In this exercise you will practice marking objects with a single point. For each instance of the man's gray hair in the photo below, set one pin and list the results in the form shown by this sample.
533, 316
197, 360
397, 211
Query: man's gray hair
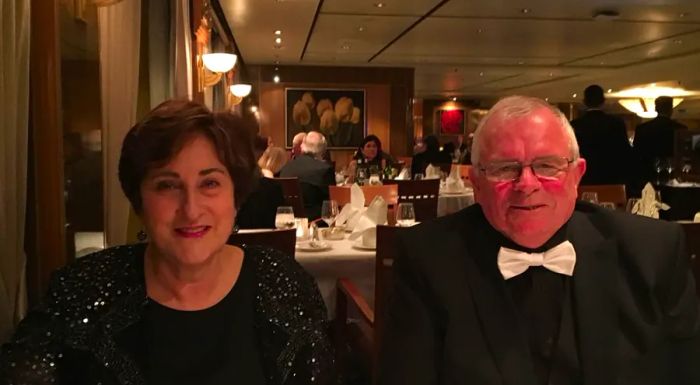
314, 143
512, 107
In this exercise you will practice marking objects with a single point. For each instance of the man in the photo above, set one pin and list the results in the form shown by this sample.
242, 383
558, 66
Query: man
314, 174
655, 139
603, 142
611, 300
296, 144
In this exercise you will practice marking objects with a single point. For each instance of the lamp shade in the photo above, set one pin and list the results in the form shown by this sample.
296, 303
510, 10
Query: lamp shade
241, 90
640, 99
219, 62
644, 107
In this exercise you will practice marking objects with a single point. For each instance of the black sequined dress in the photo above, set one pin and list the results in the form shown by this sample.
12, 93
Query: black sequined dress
83, 332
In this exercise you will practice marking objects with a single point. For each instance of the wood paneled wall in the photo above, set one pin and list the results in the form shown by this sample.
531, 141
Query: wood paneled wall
388, 95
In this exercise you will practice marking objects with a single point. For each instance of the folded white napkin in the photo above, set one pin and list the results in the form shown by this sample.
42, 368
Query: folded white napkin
405, 174
697, 217
367, 225
676, 183
352, 211
432, 172
648, 206
454, 182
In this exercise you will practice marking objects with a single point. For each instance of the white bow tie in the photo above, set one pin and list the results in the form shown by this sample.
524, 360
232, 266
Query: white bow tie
559, 259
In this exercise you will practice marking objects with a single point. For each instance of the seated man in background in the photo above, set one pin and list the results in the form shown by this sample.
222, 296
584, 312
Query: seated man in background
528, 287
315, 175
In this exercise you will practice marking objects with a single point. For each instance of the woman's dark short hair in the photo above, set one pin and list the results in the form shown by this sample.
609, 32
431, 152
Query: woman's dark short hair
369, 138
164, 131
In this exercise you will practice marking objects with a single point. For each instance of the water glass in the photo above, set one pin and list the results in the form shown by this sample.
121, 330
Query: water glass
418, 176
590, 196
405, 215
285, 217
329, 211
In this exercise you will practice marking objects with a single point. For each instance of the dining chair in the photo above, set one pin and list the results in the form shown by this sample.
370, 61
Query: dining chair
692, 241
364, 334
423, 194
282, 240
389, 192
614, 193
291, 189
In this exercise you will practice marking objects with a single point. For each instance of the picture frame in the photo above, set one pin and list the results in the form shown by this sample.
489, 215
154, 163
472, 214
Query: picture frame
451, 121
339, 114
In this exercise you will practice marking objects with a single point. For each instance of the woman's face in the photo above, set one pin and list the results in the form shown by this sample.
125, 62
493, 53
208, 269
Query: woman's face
370, 150
188, 205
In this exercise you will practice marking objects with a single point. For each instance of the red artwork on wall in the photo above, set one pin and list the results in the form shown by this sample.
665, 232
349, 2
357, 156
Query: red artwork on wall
451, 122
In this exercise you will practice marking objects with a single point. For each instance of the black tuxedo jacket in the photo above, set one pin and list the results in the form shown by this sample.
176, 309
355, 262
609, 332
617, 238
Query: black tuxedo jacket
602, 140
654, 139
314, 178
634, 318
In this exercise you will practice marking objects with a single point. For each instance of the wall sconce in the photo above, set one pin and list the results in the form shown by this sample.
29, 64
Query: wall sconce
640, 100
212, 67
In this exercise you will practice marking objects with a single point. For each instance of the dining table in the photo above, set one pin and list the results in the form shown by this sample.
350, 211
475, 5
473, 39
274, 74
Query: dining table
452, 201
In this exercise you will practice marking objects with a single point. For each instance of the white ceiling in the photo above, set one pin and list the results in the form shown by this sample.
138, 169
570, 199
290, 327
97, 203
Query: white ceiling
484, 49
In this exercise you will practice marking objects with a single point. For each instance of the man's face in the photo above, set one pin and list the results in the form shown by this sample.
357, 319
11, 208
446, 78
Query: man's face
531, 208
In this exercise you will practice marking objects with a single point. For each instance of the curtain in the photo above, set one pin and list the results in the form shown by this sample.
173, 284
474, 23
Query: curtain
119, 40
182, 50
14, 124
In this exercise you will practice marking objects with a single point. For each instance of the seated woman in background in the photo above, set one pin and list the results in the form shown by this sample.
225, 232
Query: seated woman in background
272, 161
185, 307
368, 155
431, 155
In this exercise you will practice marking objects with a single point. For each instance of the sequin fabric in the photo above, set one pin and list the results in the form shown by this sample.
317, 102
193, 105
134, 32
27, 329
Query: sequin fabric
71, 336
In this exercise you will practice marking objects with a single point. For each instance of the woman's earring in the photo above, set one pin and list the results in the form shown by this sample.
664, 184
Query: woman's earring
141, 236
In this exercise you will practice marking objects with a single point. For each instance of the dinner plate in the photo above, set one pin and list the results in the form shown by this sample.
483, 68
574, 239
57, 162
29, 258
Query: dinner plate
318, 246
358, 245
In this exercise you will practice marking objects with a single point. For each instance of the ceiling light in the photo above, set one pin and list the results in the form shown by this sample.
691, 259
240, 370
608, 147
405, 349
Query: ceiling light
454, 98
219, 62
551, 74
683, 14
253, 108
278, 32
481, 74
678, 41
345, 47
609, 90
521, 62
574, 96
480, 31
602, 63
525, 10
640, 100
379, 5
278, 40
276, 79
241, 90
360, 29
546, 99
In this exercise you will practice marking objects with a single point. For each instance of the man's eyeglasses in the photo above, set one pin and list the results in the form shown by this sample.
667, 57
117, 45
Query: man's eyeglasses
508, 171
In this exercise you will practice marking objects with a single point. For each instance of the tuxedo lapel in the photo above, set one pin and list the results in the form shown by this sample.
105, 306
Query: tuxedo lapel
595, 308
494, 306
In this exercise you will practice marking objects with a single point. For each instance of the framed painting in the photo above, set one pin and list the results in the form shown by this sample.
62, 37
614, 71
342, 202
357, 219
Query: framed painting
339, 114
451, 121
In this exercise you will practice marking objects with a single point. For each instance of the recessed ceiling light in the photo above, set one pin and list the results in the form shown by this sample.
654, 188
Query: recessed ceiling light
574, 95
609, 90
683, 14
454, 98
346, 47
602, 63
360, 29
277, 68
276, 79
551, 74
546, 99
678, 41
525, 10
480, 31
481, 74
278, 32
277, 62
521, 62
278, 40
379, 5
254, 108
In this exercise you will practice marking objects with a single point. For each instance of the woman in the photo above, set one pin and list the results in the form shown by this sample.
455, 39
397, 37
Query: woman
369, 154
185, 307
272, 161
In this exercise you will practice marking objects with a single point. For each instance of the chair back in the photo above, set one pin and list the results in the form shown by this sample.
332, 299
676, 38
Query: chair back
614, 193
282, 240
341, 194
423, 194
385, 256
291, 189
692, 241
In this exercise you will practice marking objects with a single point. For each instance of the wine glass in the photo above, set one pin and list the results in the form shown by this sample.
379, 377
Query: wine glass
418, 176
405, 215
329, 210
658, 167
590, 196
631, 203
284, 219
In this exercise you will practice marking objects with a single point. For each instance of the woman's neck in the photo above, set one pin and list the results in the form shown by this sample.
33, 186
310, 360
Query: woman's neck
191, 287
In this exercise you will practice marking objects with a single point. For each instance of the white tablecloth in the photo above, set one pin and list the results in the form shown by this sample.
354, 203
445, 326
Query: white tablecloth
450, 203
342, 261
